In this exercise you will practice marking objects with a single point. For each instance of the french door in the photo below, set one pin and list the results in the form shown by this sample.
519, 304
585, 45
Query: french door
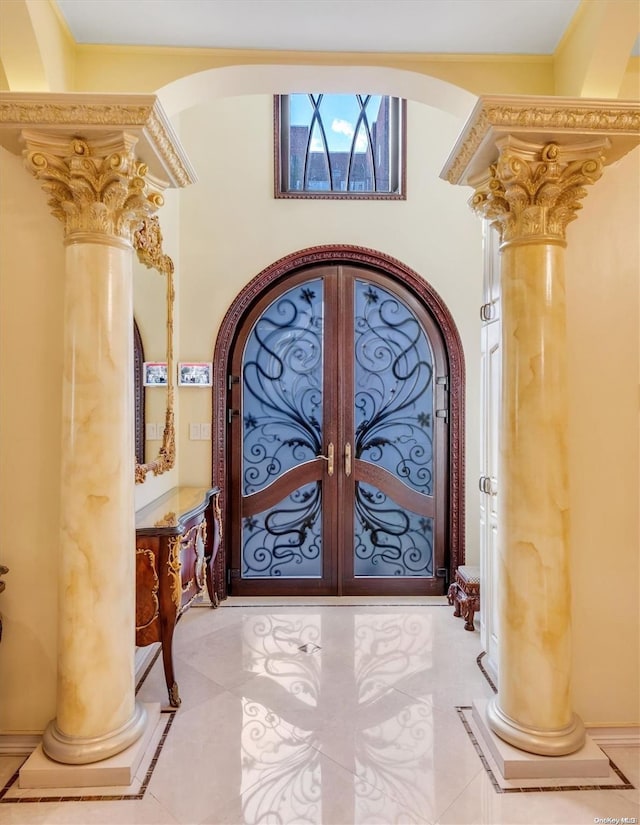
338, 439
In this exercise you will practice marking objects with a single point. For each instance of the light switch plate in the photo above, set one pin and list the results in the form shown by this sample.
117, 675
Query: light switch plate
194, 432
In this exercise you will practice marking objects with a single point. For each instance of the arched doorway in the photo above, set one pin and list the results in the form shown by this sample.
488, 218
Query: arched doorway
387, 517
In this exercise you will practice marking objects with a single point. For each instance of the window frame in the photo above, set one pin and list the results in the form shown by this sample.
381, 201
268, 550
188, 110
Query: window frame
281, 169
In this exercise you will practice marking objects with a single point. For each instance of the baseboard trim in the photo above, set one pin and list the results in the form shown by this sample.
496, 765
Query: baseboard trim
19, 744
627, 737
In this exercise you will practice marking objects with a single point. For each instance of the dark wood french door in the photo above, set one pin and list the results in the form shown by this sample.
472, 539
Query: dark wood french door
338, 442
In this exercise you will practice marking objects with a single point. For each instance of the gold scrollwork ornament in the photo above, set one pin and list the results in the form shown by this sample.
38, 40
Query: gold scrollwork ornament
147, 241
174, 570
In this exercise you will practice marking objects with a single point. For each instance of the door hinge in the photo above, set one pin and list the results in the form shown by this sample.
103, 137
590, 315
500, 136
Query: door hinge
231, 380
232, 573
443, 573
443, 380
230, 415
443, 414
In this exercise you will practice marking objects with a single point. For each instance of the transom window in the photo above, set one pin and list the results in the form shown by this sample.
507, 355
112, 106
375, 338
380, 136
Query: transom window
339, 146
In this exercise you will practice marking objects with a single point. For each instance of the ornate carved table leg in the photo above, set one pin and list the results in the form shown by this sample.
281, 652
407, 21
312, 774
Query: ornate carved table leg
469, 606
453, 597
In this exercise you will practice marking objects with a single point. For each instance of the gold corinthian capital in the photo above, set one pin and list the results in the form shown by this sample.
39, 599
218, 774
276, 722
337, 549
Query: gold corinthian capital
533, 190
97, 188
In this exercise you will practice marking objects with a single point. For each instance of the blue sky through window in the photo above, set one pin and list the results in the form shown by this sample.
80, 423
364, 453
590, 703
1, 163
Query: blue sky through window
339, 115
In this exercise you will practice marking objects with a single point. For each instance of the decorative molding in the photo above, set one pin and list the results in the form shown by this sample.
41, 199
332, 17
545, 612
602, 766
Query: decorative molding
93, 187
148, 244
435, 306
82, 114
153, 591
147, 240
169, 519
542, 120
139, 393
174, 570
19, 744
615, 737
534, 191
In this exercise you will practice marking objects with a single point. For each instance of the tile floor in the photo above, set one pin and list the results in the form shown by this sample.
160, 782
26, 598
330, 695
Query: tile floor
333, 713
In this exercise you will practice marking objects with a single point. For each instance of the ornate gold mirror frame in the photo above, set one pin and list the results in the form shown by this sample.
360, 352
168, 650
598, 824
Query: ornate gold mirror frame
147, 242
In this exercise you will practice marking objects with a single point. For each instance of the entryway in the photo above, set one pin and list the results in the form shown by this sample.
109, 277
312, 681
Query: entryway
339, 436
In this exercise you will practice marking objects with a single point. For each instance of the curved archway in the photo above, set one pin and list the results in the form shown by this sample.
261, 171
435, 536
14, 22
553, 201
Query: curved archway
228, 81
432, 302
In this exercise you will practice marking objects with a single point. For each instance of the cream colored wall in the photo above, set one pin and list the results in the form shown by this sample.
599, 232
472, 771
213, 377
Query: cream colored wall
31, 330
593, 57
232, 228
603, 278
55, 44
630, 87
122, 69
37, 52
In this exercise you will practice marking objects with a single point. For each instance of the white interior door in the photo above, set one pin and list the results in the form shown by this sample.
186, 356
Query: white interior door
489, 439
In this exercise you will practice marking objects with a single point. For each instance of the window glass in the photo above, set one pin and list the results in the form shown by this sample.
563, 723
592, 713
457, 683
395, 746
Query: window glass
337, 145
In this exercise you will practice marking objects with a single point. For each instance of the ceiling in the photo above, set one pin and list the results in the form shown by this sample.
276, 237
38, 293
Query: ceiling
428, 26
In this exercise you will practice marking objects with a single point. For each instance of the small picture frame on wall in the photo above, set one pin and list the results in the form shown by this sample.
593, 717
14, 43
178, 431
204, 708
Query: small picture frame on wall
195, 374
155, 374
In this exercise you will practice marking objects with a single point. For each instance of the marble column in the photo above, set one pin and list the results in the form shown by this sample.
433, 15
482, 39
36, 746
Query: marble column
100, 192
531, 161
532, 192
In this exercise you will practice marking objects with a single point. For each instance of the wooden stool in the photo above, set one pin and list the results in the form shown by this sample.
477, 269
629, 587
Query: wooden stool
464, 594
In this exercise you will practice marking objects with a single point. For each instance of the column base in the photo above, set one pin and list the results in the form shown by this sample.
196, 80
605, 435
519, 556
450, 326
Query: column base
535, 740
77, 750
517, 763
41, 772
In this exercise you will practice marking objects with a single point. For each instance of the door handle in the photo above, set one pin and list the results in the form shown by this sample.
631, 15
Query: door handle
328, 458
347, 459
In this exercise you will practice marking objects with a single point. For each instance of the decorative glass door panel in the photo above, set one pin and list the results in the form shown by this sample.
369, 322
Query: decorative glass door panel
393, 403
282, 383
338, 448
393, 388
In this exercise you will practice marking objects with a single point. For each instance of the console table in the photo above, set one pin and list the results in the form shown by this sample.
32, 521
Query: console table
177, 539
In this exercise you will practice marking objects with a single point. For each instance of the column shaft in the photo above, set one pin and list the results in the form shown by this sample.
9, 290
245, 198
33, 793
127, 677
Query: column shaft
533, 506
96, 711
97, 574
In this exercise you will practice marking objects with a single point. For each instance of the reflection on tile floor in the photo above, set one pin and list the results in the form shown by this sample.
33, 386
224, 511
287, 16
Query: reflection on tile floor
335, 714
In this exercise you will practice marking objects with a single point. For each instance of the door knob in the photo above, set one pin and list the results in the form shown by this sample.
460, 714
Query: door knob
328, 458
347, 459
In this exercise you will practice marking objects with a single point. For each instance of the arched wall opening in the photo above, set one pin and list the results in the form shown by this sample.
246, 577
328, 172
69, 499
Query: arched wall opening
445, 239
230, 81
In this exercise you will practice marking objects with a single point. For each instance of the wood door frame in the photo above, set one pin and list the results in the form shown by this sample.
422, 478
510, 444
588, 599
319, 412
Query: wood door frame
424, 292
